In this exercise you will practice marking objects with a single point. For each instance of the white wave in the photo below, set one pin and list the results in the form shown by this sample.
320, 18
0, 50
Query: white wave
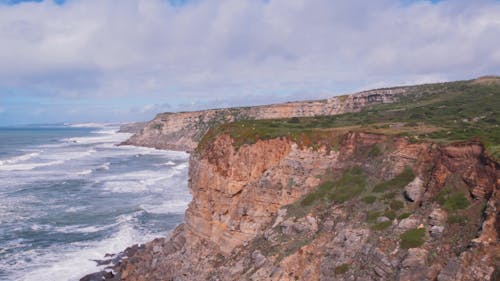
77, 259
104, 166
182, 166
20, 158
87, 125
106, 132
29, 166
125, 187
85, 172
81, 228
75, 209
168, 207
169, 163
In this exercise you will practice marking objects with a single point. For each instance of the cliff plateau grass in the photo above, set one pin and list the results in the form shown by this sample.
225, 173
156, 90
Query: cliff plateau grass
443, 113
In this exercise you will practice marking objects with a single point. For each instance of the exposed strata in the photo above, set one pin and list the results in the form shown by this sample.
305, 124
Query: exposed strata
242, 225
182, 131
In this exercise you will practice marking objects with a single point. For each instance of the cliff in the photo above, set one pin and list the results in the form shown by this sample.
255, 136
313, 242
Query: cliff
183, 131
398, 191
275, 210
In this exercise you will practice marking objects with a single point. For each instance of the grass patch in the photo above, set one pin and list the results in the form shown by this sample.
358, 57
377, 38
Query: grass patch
342, 269
351, 183
390, 214
443, 112
370, 199
372, 216
412, 238
397, 182
381, 225
389, 195
374, 151
396, 205
404, 216
452, 200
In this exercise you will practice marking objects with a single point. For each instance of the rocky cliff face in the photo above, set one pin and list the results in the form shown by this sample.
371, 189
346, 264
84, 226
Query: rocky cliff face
376, 208
183, 131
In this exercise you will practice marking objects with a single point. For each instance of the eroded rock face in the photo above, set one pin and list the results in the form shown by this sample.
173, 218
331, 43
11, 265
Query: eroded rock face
182, 131
241, 226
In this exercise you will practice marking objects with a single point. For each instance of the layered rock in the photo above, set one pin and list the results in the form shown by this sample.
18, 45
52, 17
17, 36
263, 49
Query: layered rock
247, 222
183, 131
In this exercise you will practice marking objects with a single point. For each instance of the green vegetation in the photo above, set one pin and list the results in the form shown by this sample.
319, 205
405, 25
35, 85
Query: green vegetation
370, 199
375, 151
390, 214
397, 182
351, 183
444, 112
341, 269
389, 195
396, 205
157, 126
372, 216
412, 238
404, 216
452, 200
381, 225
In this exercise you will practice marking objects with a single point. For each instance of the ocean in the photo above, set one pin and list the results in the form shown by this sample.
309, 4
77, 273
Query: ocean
69, 195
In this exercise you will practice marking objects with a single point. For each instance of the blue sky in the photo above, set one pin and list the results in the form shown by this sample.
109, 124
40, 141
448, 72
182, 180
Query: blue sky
126, 60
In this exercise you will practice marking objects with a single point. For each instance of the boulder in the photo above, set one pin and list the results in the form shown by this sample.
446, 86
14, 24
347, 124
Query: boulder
414, 190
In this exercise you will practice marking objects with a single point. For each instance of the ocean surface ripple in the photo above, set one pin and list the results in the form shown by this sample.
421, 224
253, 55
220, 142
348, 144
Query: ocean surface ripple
69, 195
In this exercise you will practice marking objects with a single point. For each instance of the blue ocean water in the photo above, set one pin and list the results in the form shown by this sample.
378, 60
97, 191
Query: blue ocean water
69, 195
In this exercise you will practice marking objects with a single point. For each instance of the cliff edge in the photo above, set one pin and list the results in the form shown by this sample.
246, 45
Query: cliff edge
397, 191
275, 210
182, 131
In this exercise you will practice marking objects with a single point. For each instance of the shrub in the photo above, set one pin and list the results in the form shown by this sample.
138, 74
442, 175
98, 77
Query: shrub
374, 151
309, 199
372, 216
341, 269
412, 238
351, 183
404, 216
294, 120
397, 182
396, 205
369, 199
390, 214
382, 225
389, 195
452, 200
157, 126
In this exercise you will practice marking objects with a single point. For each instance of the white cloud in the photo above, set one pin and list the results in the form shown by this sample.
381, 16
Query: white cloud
227, 49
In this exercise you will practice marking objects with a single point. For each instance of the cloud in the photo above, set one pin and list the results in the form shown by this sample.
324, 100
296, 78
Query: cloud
230, 52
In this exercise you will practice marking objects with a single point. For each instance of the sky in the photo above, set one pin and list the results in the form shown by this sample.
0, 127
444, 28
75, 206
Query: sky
127, 60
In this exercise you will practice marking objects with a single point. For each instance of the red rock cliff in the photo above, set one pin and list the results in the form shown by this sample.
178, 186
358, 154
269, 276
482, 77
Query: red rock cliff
243, 223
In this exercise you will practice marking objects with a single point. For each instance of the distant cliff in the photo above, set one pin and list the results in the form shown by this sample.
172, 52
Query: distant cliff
183, 131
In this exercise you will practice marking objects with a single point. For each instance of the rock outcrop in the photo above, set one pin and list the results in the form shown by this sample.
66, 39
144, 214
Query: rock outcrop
258, 213
182, 131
